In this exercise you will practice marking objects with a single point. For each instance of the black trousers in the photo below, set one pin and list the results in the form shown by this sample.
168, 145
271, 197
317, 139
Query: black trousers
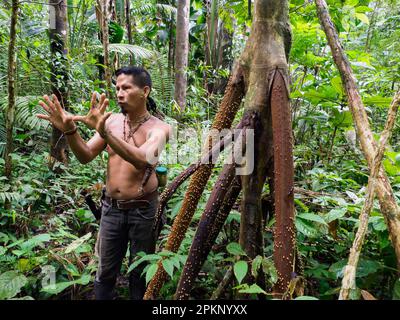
118, 229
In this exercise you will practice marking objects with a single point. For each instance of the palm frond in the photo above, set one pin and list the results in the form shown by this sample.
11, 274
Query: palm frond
126, 49
149, 8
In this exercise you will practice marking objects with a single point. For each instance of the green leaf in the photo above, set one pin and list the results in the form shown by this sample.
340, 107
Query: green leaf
312, 217
253, 289
351, 3
255, 265
76, 243
337, 85
168, 266
235, 249
11, 283
151, 271
23, 298
306, 228
363, 17
148, 257
240, 270
378, 100
61, 286
335, 214
306, 298
270, 270
396, 290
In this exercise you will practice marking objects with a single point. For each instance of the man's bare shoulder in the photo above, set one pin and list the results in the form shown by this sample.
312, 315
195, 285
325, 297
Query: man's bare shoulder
160, 125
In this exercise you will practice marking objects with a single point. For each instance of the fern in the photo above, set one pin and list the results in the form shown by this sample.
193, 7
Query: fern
163, 82
25, 116
26, 111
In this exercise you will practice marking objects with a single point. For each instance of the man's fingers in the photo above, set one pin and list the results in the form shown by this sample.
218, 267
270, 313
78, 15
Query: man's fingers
43, 116
93, 100
104, 106
57, 103
50, 103
102, 98
107, 115
45, 107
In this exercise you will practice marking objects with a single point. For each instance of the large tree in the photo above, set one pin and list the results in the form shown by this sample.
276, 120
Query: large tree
10, 112
181, 52
58, 33
263, 64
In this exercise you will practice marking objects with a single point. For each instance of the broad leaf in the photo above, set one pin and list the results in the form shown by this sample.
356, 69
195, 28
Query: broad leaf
396, 290
168, 266
151, 271
312, 217
254, 288
76, 243
240, 270
235, 249
11, 283
61, 286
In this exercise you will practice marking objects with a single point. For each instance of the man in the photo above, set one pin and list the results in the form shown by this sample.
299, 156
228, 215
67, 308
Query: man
133, 140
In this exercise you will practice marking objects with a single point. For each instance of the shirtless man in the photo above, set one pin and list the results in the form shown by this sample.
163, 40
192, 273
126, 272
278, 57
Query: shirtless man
133, 140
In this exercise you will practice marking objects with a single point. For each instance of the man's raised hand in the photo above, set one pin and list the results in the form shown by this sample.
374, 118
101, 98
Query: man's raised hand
56, 114
96, 117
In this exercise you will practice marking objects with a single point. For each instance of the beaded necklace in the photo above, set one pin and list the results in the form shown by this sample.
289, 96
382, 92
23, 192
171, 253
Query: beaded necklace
133, 127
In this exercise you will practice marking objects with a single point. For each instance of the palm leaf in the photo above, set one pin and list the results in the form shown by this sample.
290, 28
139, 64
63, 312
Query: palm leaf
126, 49
153, 8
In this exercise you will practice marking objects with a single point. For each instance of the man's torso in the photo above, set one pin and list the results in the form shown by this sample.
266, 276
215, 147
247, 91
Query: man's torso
124, 179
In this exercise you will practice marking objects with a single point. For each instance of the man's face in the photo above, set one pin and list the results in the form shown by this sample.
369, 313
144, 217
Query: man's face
129, 95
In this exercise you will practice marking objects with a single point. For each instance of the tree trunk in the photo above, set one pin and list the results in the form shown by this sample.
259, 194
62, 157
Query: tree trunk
129, 28
10, 112
389, 208
223, 119
266, 54
181, 52
349, 276
223, 196
59, 77
224, 53
104, 18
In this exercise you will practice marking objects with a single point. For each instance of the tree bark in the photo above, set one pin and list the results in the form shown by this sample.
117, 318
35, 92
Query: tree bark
10, 112
129, 28
181, 52
223, 119
349, 277
105, 18
389, 207
224, 190
59, 78
266, 55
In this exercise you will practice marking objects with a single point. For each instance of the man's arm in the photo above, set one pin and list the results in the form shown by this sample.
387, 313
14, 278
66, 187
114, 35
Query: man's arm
146, 154
85, 151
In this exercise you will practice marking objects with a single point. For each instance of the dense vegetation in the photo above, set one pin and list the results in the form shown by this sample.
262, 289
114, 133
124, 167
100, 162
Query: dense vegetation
49, 233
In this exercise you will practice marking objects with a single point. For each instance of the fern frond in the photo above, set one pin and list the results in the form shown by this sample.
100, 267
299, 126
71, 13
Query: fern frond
26, 111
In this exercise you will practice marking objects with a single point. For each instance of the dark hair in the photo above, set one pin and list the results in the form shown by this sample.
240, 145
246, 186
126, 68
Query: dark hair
141, 78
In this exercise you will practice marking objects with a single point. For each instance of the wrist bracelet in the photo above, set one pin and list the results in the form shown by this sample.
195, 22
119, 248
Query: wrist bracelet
103, 135
71, 132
